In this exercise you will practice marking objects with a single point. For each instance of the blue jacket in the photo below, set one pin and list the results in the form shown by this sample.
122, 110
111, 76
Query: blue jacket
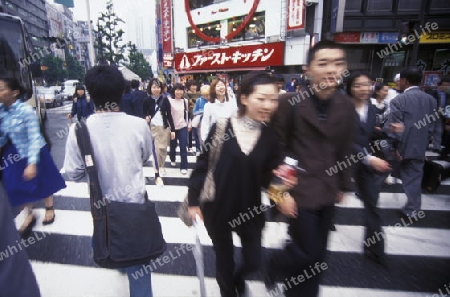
199, 105
82, 108
134, 104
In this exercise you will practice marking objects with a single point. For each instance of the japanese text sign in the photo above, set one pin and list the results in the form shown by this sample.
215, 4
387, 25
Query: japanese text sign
166, 26
270, 54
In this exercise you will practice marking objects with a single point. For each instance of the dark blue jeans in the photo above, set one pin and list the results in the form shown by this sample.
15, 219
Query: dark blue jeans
196, 133
181, 136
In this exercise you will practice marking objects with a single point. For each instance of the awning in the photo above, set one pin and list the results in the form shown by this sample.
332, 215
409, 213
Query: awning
221, 70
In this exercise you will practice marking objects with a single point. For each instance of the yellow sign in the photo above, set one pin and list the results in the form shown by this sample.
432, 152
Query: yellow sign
435, 37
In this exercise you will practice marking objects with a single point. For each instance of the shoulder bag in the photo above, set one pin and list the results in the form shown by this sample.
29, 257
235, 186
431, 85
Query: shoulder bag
125, 234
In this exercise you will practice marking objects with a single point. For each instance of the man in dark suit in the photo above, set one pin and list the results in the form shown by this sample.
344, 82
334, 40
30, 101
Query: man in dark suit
137, 99
315, 127
417, 111
442, 95
16, 276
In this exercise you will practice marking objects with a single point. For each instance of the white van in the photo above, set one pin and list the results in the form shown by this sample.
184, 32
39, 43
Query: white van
69, 88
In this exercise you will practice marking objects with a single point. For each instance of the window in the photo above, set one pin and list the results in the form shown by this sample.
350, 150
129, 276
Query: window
439, 4
255, 29
209, 29
353, 6
379, 5
409, 5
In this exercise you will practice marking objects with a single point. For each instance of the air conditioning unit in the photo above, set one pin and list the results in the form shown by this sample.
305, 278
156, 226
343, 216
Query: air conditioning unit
310, 2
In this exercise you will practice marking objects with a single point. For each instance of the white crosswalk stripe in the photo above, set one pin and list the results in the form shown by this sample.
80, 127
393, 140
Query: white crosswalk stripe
64, 268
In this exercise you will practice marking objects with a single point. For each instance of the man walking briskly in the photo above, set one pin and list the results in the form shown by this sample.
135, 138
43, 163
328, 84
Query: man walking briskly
315, 126
418, 113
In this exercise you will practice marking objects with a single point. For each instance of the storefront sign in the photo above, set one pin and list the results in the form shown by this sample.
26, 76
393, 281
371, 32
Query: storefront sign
347, 37
166, 26
388, 37
435, 37
369, 37
167, 60
261, 55
296, 15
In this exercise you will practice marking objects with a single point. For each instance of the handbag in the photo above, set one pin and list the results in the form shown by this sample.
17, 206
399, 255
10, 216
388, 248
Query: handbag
209, 187
125, 234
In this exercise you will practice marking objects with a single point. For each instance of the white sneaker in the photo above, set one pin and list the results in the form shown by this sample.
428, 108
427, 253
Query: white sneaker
183, 171
197, 154
173, 163
159, 182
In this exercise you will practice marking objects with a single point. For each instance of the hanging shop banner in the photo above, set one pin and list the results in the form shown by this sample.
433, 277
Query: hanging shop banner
295, 15
166, 26
261, 55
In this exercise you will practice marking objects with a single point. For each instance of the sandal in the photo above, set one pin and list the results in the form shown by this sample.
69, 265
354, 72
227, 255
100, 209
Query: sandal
46, 221
27, 226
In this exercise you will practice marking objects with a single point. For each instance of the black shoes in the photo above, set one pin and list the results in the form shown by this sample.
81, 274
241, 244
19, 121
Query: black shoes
378, 259
268, 275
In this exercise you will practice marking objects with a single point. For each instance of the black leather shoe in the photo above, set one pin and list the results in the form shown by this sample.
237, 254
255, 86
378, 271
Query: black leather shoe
268, 275
332, 227
380, 260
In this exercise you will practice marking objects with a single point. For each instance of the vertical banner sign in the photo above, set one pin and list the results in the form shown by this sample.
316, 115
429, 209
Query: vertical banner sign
166, 32
295, 15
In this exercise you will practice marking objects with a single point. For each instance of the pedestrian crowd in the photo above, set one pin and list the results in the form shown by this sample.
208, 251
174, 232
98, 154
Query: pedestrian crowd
240, 141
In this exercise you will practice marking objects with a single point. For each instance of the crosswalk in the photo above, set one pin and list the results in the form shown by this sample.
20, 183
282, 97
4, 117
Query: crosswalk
419, 254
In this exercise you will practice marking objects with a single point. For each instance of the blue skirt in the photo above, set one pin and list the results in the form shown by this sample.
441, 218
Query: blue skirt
48, 180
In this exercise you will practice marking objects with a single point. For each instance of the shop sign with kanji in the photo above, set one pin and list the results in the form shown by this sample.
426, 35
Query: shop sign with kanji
261, 55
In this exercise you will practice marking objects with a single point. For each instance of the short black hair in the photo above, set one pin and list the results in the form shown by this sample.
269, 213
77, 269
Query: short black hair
135, 84
79, 87
377, 87
445, 78
354, 75
413, 75
190, 83
13, 84
177, 86
248, 84
157, 82
105, 85
323, 44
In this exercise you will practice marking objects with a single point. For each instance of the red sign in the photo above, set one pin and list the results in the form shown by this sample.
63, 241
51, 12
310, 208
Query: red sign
270, 54
167, 60
166, 26
347, 37
296, 15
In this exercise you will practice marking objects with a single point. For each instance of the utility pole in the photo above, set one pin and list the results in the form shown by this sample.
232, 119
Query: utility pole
91, 39
417, 27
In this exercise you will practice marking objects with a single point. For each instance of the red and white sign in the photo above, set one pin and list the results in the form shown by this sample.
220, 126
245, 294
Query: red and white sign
347, 37
166, 26
261, 55
296, 15
167, 60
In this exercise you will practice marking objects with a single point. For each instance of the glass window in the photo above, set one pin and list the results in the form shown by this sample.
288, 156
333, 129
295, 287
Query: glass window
255, 29
353, 6
409, 5
210, 29
439, 4
379, 5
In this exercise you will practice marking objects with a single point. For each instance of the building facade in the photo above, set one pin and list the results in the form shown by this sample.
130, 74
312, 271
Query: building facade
33, 14
236, 36
379, 35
